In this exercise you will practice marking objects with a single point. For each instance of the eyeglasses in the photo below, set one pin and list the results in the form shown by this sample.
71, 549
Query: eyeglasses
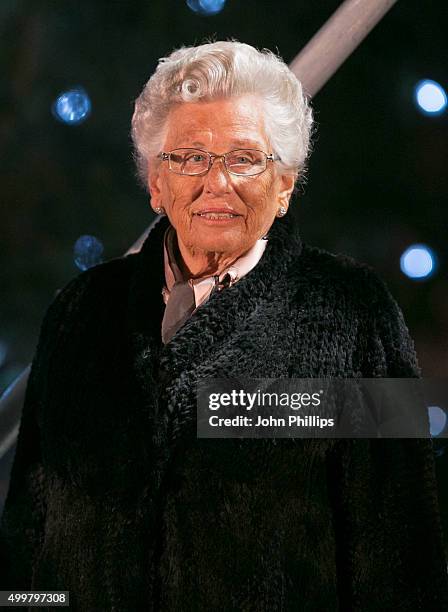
241, 162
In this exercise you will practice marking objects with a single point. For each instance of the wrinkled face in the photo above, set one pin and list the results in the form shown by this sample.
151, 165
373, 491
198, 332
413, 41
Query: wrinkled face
218, 127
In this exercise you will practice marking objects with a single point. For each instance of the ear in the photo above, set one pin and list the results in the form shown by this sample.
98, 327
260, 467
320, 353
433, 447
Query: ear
155, 187
286, 188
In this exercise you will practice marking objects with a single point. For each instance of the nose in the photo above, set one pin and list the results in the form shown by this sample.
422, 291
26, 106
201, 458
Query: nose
217, 178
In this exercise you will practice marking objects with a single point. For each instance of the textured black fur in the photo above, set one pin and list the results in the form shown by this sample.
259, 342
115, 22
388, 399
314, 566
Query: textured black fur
113, 497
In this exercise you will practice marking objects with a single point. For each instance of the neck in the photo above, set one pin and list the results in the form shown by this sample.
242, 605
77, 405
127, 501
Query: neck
196, 263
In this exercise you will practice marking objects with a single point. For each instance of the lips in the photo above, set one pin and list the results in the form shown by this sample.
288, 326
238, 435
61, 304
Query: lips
220, 213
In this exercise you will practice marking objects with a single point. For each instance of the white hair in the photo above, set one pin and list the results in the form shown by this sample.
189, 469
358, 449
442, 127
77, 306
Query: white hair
224, 69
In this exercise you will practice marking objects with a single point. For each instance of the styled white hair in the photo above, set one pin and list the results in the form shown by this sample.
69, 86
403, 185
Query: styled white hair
224, 69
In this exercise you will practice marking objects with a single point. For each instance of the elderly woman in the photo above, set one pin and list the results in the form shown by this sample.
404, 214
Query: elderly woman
113, 497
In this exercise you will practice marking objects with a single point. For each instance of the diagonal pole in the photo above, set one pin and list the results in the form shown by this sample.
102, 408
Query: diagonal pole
314, 66
336, 40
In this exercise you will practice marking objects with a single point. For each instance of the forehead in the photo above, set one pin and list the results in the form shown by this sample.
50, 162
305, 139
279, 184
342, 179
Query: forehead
235, 122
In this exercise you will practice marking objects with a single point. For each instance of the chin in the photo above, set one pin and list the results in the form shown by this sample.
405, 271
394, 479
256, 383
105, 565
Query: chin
219, 240
219, 245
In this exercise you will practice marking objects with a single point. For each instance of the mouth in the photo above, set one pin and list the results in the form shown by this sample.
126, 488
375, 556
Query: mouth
216, 214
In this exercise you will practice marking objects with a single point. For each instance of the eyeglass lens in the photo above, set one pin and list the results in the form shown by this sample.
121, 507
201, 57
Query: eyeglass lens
194, 161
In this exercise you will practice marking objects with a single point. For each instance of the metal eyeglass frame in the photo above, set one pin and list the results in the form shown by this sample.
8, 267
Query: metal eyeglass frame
166, 156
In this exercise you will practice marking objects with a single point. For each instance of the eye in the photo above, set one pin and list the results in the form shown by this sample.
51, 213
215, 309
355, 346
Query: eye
195, 157
243, 158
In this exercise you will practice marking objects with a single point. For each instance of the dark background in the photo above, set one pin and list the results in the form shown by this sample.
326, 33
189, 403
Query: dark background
377, 181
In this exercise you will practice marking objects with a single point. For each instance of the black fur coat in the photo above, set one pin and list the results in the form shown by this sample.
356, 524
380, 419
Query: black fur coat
113, 497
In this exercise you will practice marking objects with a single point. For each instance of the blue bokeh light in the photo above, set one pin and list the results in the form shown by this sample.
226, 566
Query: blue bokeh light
418, 261
206, 7
72, 107
430, 97
437, 420
88, 252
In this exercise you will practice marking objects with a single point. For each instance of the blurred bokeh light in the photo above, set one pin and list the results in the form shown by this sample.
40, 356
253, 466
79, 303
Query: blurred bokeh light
418, 261
88, 252
206, 7
430, 97
437, 420
73, 106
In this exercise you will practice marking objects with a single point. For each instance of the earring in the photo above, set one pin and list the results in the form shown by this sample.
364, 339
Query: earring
282, 211
159, 210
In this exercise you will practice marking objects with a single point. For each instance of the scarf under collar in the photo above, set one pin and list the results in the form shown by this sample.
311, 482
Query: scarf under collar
220, 315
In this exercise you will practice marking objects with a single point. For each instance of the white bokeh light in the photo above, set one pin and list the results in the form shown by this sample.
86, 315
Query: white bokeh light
430, 97
418, 261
